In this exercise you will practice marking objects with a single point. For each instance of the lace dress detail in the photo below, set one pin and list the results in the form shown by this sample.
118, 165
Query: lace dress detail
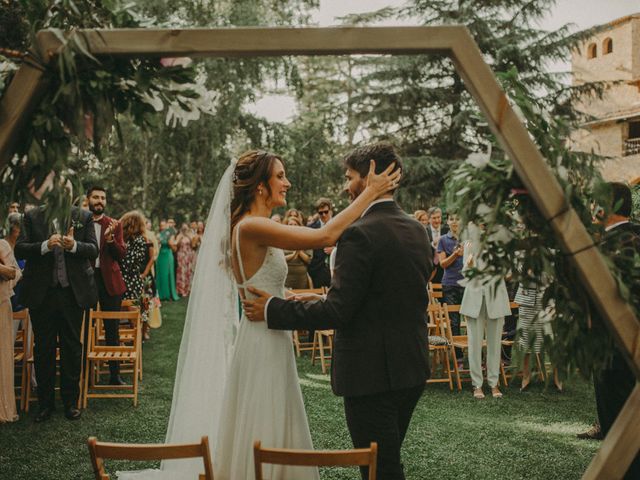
262, 399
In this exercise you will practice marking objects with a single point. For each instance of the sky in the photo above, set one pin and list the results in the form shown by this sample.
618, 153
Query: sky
582, 13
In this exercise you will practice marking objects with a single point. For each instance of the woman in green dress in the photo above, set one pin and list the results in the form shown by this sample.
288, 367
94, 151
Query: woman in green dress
165, 266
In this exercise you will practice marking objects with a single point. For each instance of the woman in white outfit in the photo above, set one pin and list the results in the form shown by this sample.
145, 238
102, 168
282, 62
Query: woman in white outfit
485, 305
241, 387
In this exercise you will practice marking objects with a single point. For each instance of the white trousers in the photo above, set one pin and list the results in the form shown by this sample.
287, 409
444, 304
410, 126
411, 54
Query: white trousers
476, 328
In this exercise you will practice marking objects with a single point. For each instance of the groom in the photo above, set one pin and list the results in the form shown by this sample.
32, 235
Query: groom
377, 304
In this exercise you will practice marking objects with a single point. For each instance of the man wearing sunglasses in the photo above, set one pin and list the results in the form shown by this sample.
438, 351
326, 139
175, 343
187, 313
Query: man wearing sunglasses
319, 265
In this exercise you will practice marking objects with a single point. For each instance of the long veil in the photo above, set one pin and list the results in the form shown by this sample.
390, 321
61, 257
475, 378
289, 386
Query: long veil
207, 343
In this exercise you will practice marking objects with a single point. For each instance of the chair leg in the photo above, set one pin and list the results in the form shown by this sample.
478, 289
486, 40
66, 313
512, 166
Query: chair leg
296, 342
452, 354
135, 381
503, 374
541, 370
313, 348
321, 348
85, 390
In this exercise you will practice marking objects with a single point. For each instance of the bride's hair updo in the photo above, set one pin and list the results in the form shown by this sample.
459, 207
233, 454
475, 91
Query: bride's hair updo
253, 168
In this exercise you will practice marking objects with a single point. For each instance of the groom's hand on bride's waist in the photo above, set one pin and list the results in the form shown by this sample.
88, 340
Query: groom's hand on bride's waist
255, 309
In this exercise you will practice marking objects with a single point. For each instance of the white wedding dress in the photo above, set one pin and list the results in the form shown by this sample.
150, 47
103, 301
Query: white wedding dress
236, 382
262, 398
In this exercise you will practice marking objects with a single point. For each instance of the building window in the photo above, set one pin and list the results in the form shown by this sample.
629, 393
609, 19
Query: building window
592, 51
632, 144
607, 46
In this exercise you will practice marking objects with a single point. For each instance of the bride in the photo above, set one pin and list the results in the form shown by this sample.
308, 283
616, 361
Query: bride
236, 381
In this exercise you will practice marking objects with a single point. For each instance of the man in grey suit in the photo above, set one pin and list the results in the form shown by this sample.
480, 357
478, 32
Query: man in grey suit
377, 304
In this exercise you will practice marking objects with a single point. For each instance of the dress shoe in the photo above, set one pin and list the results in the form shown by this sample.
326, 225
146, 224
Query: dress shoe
72, 413
117, 380
594, 433
44, 414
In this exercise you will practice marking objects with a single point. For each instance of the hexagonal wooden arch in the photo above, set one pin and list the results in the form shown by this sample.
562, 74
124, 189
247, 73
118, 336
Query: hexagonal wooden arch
623, 441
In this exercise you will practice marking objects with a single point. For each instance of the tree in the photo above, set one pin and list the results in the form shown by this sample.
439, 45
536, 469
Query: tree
422, 105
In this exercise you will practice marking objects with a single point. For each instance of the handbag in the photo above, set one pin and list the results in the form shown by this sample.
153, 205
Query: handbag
155, 315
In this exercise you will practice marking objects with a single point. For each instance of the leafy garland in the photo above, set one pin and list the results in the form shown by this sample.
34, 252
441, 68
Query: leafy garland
86, 97
517, 241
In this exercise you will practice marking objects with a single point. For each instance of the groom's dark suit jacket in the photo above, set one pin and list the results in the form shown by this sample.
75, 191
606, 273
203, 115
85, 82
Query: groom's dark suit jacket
377, 304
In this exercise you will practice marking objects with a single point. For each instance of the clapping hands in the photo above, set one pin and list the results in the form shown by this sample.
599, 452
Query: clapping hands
108, 233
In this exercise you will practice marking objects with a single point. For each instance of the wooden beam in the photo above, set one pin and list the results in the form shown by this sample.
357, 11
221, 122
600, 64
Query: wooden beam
548, 196
621, 445
18, 102
255, 42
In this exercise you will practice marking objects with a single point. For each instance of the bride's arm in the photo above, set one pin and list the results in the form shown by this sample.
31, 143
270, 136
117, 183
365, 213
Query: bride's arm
266, 232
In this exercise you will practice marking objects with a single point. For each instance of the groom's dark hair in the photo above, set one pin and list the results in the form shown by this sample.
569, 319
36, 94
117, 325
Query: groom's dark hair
382, 152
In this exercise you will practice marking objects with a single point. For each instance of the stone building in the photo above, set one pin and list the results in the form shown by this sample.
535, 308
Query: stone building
612, 55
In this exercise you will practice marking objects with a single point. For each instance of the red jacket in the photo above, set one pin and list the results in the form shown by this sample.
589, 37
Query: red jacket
110, 254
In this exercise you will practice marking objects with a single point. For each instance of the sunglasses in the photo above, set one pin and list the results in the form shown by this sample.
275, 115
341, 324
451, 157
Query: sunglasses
323, 212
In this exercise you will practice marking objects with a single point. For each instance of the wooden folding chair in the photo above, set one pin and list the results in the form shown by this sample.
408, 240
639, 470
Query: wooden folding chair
434, 292
442, 352
297, 343
323, 344
319, 458
22, 348
126, 451
98, 354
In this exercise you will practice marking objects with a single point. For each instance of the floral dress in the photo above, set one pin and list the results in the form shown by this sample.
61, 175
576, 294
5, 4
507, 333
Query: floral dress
186, 258
132, 266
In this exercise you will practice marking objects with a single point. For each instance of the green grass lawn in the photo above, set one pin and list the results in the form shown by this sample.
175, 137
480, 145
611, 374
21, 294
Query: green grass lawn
452, 436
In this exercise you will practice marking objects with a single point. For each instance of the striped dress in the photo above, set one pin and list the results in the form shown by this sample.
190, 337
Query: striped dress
531, 318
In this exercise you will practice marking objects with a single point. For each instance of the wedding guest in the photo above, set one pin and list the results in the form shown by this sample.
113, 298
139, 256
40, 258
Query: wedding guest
319, 265
165, 273
106, 270
194, 227
292, 212
201, 228
450, 253
434, 231
276, 218
9, 275
533, 326
422, 217
15, 222
14, 207
57, 286
616, 382
185, 255
485, 304
297, 261
137, 263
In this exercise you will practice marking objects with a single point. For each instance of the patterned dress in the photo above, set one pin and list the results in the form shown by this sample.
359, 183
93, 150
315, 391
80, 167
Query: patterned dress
186, 257
132, 266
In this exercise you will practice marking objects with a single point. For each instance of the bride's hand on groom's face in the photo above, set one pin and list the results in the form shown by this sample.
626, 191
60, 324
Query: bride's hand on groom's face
384, 182
254, 309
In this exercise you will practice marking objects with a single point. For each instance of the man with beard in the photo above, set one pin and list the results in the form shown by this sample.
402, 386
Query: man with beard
107, 272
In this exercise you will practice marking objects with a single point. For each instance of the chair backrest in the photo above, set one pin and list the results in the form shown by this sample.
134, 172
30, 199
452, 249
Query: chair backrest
434, 291
96, 317
125, 451
319, 458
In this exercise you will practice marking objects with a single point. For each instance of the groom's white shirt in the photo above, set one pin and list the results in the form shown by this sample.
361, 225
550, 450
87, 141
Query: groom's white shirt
375, 202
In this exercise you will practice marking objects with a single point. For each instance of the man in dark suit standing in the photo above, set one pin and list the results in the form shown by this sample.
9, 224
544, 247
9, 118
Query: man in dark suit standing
57, 286
377, 304
614, 385
319, 265
108, 276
